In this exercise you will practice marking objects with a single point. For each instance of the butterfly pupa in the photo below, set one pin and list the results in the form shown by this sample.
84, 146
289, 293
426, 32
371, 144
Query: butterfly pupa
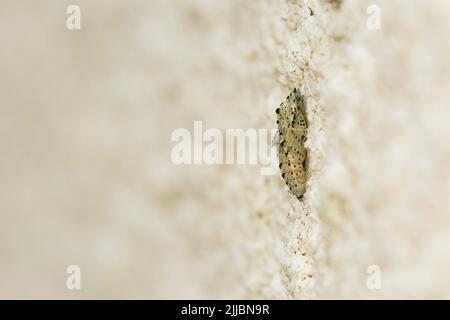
292, 154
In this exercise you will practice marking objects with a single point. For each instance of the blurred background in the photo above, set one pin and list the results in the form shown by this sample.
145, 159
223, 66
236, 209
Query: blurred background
86, 177
86, 174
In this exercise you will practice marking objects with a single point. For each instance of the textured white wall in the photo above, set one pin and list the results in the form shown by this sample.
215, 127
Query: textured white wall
86, 176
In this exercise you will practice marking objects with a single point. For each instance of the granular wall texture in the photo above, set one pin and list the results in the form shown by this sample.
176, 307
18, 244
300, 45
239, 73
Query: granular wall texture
86, 171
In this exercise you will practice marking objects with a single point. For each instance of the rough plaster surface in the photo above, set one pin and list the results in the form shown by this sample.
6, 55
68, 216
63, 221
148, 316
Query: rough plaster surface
86, 175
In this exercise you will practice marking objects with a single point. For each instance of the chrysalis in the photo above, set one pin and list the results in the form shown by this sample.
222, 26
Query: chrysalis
292, 128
